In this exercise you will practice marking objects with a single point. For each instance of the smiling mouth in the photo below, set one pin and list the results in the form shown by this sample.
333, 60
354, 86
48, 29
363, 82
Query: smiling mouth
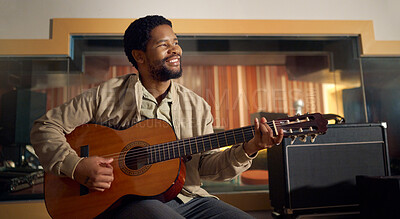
173, 60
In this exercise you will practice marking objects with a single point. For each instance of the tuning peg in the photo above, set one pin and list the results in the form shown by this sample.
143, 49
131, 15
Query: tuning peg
313, 137
303, 138
293, 137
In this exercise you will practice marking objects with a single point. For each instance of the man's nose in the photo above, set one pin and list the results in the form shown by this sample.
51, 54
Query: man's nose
176, 49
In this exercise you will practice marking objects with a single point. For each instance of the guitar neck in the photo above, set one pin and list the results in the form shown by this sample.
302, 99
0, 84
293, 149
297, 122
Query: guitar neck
194, 145
301, 125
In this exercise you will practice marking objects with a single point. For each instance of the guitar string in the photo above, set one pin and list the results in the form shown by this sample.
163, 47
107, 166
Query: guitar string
162, 151
178, 145
156, 148
212, 135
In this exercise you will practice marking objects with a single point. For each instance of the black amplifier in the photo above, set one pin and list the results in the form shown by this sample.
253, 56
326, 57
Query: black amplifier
321, 176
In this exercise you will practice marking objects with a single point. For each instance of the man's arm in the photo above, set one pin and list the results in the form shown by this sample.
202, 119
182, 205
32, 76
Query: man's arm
48, 136
229, 163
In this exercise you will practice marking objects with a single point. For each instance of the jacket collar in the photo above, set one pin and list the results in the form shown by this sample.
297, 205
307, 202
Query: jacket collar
175, 107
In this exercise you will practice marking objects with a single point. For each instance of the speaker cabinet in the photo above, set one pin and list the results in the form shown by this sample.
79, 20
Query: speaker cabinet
379, 196
307, 176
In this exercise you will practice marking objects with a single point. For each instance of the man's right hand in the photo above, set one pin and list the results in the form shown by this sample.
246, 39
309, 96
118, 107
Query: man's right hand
95, 173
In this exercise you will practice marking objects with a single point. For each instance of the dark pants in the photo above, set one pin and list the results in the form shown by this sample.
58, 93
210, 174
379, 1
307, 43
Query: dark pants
196, 208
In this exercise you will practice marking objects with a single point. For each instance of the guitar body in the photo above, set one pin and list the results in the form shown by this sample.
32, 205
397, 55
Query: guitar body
65, 198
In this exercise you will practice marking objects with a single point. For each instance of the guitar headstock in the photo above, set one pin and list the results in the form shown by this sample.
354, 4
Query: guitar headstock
302, 126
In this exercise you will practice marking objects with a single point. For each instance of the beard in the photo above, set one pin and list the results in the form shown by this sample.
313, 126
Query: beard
160, 71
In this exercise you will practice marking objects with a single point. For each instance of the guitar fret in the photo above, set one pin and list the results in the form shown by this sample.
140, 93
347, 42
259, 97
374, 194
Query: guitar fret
147, 157
197, 147
243, 134
226, 140
202, 140
177, 151
153, 154
168, 152
149, 153
250, 134
209, 137
156, 154
234, 138
239, 136
220, 140
159, 152
194, 144
173, 149
231, 141
181, 145
184, 148
190, 147
174, 155
163, 149
213, 141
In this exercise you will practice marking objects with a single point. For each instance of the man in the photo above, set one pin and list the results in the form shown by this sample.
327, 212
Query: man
153, 48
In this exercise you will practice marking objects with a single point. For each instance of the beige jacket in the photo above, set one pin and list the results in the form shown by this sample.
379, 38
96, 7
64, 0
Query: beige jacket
116, 104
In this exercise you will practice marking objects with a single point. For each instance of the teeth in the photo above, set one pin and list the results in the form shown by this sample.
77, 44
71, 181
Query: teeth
173, 60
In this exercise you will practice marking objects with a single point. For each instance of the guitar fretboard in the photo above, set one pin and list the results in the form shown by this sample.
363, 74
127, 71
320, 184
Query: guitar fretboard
189, 146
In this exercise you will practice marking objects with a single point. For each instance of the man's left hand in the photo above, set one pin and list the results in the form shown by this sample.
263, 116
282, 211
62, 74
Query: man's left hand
263, 137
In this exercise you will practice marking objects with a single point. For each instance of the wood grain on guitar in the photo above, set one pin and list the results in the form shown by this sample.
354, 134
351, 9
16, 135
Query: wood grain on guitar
148, 161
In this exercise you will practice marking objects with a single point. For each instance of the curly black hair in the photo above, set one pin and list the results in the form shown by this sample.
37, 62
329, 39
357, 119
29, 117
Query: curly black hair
137, 35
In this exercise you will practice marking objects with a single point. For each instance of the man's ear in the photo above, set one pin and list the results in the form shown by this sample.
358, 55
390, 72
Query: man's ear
138, 55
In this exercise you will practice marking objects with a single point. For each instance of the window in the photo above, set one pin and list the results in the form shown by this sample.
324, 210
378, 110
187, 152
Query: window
239, 76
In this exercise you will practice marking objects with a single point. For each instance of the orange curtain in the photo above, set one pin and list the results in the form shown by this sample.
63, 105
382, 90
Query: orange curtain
235, 92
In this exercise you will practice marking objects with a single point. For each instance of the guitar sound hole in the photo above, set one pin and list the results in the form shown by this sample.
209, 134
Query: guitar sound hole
136, 158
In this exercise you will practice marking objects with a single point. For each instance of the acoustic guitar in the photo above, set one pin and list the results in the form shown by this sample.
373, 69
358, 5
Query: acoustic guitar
148, 161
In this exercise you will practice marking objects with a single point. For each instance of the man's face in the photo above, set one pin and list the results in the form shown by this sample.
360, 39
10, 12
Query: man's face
163, 54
